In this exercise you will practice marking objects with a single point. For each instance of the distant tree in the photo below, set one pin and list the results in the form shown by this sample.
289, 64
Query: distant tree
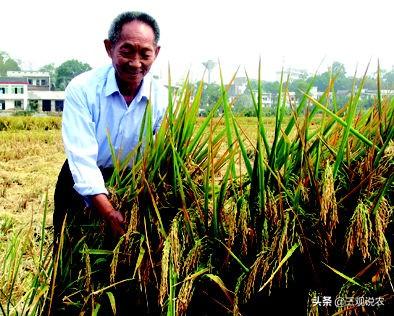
370, 83
299, 86
254, 83
271, 87
67, 71
210, 96
338, 69
51, 69
244, 104
337, 72
388, 80
7, 64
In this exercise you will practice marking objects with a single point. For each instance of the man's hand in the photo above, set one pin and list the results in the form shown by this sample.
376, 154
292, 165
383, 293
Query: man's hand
113, 217
116, 222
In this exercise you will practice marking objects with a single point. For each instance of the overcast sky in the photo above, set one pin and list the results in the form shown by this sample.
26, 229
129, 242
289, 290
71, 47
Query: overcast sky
301, 34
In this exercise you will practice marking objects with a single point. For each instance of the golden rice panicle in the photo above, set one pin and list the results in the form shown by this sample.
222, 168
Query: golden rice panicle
184, 297
88, 274
328, 207
134, 219
229, 220
165, 262
261, 264
359, 233
176, 251
271, 207
193, 258
382, 219
243, 228
114, 262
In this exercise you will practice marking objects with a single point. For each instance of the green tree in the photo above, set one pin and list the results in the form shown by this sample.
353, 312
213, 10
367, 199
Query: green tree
210, 96
338, 72
388, 79
370, 83
67, 71
7, 64
299, 86
243, 104
271, 87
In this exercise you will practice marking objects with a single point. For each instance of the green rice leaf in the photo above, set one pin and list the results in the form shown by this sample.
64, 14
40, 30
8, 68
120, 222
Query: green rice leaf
342, 275
111, 298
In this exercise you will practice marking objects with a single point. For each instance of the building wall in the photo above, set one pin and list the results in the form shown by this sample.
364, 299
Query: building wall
12, 94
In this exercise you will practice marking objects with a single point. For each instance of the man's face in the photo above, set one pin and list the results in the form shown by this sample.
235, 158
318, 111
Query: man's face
134, 53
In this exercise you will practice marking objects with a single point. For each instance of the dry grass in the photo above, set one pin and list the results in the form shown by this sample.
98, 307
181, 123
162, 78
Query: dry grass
29, 164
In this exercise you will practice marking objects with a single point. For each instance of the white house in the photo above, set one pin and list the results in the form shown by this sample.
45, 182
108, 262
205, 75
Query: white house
29, 90
46, 101
13, 93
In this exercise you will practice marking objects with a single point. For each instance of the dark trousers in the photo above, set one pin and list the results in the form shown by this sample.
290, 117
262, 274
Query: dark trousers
79, 270
67, 200
82, 229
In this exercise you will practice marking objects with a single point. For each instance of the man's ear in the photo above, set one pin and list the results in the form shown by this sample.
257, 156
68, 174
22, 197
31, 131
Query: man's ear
108, 47
157, 50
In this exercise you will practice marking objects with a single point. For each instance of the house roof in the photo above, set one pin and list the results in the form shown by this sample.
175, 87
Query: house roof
13, 80
25, 73
46, 95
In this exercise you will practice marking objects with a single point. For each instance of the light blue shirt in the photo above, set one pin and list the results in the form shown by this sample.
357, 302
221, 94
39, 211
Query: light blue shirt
93, 107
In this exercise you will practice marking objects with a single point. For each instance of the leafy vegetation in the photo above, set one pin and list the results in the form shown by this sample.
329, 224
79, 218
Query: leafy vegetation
217, 221
7, 63
220, 222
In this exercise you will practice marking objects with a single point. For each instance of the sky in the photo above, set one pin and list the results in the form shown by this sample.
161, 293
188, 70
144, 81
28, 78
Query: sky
296, 34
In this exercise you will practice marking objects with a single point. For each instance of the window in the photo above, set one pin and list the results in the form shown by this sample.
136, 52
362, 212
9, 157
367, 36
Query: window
46, 105
2, 90
30, 81
59, 105
43, 82
2, 104
17, 89
18, 104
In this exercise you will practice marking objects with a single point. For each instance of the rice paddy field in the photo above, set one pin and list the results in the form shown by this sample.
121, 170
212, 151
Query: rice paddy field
225, 215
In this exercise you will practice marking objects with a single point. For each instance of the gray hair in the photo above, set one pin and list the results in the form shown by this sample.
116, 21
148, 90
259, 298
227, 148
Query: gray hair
115, 29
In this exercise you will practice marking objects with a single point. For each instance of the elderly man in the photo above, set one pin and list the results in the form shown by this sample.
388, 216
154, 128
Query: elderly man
108, 101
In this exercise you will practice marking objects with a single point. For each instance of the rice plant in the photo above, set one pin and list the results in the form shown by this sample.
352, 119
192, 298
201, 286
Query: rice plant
219, 224
26, 267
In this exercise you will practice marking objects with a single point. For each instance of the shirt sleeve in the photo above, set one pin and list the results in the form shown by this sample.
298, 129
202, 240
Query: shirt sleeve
80, 143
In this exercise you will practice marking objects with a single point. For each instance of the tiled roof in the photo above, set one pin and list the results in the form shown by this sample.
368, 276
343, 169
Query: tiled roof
13, 80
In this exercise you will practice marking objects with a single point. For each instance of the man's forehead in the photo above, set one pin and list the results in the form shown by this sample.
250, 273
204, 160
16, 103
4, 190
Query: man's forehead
137, 29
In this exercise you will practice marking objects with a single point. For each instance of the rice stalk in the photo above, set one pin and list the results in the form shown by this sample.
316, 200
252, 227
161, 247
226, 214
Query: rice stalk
328, 208
359, 232
165, 263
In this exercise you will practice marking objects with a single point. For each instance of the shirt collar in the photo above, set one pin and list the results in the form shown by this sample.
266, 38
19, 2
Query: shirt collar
112, 86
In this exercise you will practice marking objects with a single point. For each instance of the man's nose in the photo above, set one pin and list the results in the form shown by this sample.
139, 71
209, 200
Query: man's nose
135, 62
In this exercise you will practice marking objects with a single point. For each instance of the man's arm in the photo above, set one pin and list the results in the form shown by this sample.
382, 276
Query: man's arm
80, 143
